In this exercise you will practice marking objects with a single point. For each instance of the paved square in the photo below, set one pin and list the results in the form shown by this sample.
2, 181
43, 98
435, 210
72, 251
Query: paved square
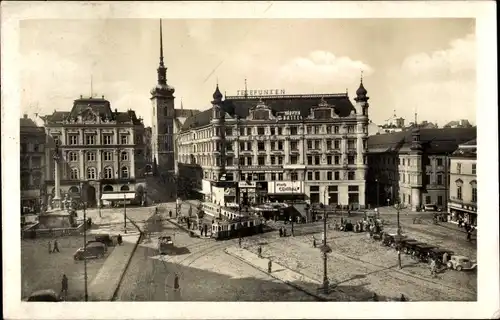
41, 270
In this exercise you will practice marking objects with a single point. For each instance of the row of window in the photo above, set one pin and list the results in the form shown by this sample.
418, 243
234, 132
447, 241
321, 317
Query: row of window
292, 130
311, 176
459, 169
277, 145
91, 139
31, 147
107, 173
91, 156
31, 181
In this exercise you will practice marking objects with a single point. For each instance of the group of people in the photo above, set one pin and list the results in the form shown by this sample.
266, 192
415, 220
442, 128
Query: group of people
282, 232
55, 248
469, 228
376, 298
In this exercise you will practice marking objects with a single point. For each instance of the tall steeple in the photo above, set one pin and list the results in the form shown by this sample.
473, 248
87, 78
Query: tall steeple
162, 71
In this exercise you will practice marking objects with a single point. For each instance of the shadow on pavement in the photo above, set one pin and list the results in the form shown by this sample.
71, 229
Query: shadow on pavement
152, 280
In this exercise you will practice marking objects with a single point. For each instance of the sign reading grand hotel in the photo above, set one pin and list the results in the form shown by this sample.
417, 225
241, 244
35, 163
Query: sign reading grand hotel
260, 92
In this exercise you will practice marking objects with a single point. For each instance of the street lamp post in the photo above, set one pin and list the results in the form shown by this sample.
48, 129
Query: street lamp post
125, 213
399, 238
378, 194
326, 283
85, 250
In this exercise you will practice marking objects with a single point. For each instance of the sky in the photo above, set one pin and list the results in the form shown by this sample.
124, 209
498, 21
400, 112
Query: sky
427, 66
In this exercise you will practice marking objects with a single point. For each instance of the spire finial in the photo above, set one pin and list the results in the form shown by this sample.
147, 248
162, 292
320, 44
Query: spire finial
361, 76
161, 45
246, 89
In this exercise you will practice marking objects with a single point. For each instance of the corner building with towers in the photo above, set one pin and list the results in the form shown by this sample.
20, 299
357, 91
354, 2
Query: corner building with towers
307, 147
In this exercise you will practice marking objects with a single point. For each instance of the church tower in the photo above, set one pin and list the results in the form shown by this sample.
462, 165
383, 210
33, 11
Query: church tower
163, 113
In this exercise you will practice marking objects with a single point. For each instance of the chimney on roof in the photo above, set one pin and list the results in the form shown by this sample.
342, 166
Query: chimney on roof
25, 116
102, 96
81, 97
116, 111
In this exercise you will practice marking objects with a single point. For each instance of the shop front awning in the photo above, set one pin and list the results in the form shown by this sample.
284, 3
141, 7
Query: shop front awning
118, 196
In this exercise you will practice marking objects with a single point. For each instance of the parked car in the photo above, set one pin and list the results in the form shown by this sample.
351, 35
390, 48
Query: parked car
460, 263
106, 239
47, 295
90, 242
93, 250
165, 244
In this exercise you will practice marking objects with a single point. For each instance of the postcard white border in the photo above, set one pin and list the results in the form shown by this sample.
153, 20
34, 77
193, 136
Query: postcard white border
488, 248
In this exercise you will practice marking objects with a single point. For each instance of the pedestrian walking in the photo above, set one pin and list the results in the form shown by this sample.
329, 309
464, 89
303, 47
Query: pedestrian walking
284, 232
56, 246
314, 242
374, 297
445, 258
281, 232
469, 235
433, 268
176, 282
259, 251
50, 247
269, 266
64, 287
170, 213
403, 298
239, 242
119, 239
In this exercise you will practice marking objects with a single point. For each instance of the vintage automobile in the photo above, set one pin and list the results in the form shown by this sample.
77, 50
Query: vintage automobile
460, 263
94, 249
390, 239
106, 239
47, 295
410, 246
421, 251
165, 244
437, 254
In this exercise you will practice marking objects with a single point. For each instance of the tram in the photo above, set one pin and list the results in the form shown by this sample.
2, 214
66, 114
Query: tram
228, 229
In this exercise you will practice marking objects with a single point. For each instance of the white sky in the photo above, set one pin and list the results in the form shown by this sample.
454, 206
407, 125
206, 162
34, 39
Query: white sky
427, 65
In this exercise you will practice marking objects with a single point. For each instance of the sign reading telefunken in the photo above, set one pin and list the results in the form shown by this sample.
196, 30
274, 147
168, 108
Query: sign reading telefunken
260, 92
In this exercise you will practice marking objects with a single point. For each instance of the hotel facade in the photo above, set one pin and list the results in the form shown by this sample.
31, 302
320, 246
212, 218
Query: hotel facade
261, 146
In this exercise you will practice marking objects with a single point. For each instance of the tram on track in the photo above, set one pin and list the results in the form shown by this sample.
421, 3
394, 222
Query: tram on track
244, 226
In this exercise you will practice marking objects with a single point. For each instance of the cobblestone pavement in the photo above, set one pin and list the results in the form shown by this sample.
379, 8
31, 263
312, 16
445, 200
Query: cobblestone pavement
206, 273
357, 261
41, 270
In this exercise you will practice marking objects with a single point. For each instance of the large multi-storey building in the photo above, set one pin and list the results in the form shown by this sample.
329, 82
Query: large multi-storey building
462, 202
278, 147
32, 159
411, 167
96, 145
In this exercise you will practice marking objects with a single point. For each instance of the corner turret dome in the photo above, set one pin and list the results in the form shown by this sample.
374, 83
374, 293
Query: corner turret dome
217, 94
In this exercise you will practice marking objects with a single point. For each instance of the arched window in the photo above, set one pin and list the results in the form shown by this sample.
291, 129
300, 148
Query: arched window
73, 156
124, 173
91, 173
124, 156
74, 189
73, 174
107, 188
124, 188
108, 173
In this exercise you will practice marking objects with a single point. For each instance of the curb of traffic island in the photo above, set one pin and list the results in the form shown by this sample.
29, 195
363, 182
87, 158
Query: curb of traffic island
115, 292
309, 292
183, 228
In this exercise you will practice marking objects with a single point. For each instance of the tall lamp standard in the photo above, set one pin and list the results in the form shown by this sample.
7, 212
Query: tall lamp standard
292, 178
325, 249
85, 277
399, 237
84, 196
